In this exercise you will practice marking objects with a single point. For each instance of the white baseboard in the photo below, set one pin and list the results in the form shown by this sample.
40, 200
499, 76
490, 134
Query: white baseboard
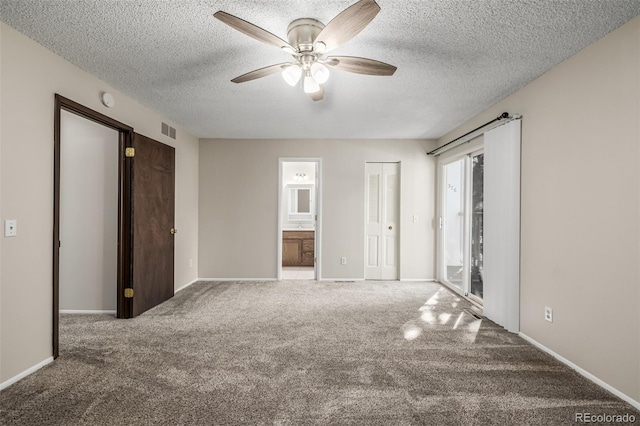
87, 312
582, 371
237, 279
364, 279
186, 285
422, 280
320, 279
25, 373
342, 279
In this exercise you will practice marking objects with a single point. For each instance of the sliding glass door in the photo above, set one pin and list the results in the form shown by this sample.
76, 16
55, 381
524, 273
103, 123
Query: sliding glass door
453, 223
461, 224
476, 210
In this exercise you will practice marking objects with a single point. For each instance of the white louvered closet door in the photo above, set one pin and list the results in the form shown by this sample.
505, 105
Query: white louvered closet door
382, 201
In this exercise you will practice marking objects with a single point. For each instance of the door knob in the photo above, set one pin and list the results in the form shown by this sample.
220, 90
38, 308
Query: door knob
390, 227
174, 231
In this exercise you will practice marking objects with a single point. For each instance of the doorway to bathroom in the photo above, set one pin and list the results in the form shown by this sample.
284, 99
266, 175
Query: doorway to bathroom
299, 225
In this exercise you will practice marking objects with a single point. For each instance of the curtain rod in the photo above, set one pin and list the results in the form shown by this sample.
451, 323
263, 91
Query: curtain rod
440, 149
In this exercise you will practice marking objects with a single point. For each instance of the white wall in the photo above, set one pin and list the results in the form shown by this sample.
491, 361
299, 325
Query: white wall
30, 76
239, 214
88, 214
580, 207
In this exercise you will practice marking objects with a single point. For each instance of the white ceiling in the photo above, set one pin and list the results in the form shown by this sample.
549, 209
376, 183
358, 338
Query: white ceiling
454, 57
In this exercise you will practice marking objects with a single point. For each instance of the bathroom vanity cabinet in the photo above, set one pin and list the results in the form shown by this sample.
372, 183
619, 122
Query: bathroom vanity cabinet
298, 248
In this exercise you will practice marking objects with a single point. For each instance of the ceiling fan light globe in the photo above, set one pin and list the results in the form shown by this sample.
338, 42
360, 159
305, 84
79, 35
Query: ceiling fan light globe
320, 73
292, 75
310, 85
320, 47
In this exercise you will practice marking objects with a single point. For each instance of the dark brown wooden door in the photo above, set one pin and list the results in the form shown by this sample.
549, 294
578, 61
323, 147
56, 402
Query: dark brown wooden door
153, 202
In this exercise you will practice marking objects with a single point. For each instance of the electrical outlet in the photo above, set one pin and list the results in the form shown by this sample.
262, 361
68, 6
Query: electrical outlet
343, 260
548, 314
190, 263
10, 228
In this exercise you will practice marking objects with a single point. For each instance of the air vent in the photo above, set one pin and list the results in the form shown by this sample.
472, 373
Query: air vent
168, 131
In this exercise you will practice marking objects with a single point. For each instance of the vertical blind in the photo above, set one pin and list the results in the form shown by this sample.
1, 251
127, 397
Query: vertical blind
501, 245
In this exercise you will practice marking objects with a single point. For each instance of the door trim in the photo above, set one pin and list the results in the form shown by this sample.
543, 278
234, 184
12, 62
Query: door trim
124, 208
318, 230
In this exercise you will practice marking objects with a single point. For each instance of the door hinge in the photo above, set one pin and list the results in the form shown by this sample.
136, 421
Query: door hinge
129, 152
128, 293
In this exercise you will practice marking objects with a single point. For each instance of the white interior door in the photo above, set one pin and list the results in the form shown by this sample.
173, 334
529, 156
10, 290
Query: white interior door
381, 221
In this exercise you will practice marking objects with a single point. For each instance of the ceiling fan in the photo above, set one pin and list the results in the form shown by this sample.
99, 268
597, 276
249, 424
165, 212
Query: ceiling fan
309, 41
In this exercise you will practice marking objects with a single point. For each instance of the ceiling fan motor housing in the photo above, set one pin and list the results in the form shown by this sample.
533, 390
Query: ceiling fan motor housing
301, 33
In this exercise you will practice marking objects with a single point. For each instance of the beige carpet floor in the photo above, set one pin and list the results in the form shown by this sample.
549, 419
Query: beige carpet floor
298, 353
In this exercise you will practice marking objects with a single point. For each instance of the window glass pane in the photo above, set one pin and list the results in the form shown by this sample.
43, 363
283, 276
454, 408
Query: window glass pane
477, 209
454, 222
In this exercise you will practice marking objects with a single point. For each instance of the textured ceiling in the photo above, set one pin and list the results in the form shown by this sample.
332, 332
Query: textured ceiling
454, 58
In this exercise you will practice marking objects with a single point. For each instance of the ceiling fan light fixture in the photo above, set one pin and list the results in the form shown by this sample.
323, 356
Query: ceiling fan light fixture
310, 85
308, 40
320, 47
319, 72
292, 74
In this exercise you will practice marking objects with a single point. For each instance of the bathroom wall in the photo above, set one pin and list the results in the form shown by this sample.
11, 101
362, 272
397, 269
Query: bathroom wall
289, 170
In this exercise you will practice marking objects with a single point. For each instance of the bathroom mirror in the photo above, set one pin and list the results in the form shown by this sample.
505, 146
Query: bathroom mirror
301, 200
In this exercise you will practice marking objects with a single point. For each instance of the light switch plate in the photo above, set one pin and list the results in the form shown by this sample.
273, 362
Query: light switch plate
10, 228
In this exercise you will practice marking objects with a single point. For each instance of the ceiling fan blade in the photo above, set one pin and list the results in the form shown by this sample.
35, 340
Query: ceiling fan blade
319, 95
259, 73
251, 30
347, 24
360, 65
